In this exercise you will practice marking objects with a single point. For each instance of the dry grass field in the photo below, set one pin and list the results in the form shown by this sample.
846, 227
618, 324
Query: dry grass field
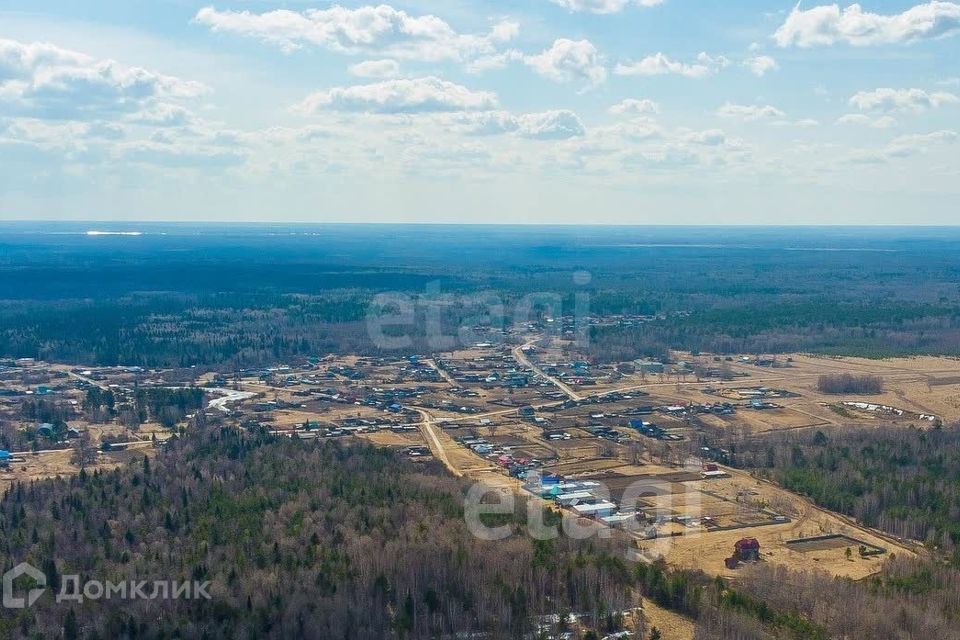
707, 550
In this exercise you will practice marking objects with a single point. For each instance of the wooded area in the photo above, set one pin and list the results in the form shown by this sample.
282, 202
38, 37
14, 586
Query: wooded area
250, 298
314, 541
905, 481
846, 383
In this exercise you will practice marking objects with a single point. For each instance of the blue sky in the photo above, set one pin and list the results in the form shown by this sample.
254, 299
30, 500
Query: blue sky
534, 111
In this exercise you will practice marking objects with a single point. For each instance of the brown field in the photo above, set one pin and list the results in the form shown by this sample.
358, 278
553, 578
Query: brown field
391, 439
827, 543
776, 419
671, 625
54, 464
584, 467
920, 385
706, 550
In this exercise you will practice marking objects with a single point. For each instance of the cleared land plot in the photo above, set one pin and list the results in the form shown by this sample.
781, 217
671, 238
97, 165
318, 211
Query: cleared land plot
505, 440
391, 439
830, 542
583, 467
776, 419
707, 550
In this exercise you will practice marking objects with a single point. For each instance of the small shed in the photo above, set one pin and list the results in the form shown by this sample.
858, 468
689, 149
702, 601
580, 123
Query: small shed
5, 458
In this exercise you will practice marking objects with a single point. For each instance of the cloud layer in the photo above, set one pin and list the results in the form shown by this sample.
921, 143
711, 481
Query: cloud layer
604, 6
889, 100
829, 25
570, 60
368, 30
749, 112
43, 80
660, 64
417, 95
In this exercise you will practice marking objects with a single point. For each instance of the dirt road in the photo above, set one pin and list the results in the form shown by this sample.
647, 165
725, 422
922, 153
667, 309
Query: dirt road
436, 447
443, 373
521, 357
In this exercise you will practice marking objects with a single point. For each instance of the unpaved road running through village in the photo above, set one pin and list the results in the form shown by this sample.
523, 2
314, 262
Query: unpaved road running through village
439, 452
521, 357
443, 373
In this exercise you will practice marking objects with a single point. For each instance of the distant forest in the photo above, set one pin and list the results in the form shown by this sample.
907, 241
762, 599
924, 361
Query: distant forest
228, 297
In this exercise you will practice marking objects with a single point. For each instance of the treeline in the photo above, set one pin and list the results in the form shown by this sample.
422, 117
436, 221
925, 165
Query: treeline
908, 599
166, 405
175, 330
39, 409
325, 540
773, 325
848, 383
903, 480
312, 541
207, 302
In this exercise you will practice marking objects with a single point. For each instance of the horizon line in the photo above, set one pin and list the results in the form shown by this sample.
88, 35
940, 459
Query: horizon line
22, 221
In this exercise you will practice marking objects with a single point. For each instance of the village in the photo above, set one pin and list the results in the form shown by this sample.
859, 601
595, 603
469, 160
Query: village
627, 446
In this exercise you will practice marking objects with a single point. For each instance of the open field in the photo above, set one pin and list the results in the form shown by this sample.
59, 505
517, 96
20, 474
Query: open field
831, 542
707, 550
55, 464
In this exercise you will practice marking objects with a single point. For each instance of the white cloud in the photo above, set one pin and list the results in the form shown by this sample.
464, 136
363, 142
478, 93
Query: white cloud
636, 130
908, 145
659, 64
181, 158
164, 115
861, 119
43, 80
709, 137
905, 146
828, 25
493, 62
415, 95
569, 60
380, 30
604, 6
761, 65
19, 60
803, 123
633, 106
889, 100
558, 124
551, 125
749, 113
105, 131
488, 123
375, 69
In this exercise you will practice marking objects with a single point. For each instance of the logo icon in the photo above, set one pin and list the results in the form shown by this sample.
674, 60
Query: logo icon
40, 580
